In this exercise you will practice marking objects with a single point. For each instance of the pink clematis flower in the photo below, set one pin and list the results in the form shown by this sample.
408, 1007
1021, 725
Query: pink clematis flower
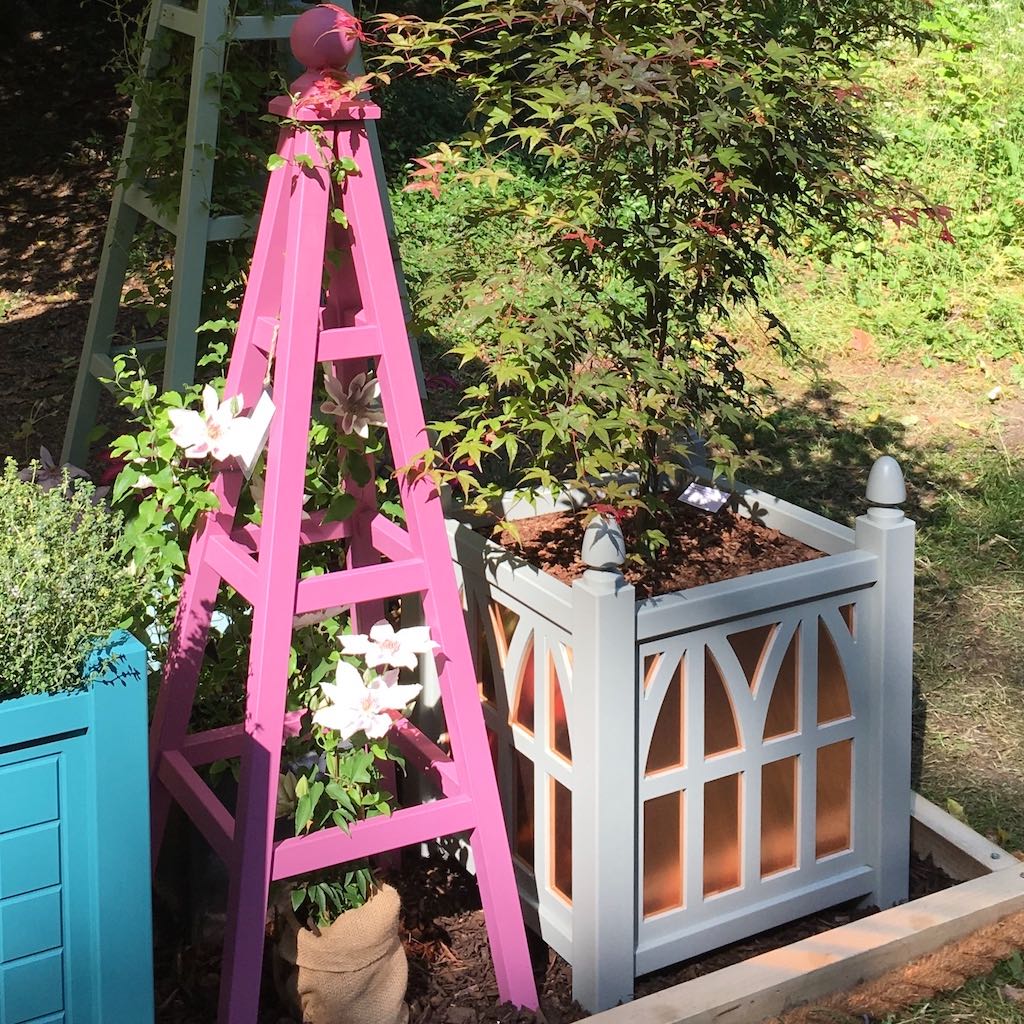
357, 406
384, 646
357, 706
218, 431
47, 474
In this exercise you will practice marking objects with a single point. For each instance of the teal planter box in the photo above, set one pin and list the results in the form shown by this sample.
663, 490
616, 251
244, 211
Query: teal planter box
75, 914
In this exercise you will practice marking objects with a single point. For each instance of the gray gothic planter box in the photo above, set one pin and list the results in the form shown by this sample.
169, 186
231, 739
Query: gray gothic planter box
687, 770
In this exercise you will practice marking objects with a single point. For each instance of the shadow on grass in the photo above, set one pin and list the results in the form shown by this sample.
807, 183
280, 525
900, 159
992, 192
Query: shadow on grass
966, 494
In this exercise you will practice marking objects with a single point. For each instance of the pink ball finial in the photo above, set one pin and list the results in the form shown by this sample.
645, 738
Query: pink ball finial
325, 37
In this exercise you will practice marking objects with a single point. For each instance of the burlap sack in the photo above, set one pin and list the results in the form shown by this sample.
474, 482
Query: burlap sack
355, 971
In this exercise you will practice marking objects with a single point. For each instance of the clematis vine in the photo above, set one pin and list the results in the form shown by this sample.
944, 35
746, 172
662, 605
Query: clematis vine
258, 488
357, 406
359, 705
218, 431
385, 646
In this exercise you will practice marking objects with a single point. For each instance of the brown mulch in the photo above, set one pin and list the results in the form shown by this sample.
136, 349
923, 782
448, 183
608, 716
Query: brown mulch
450, 975
703, 548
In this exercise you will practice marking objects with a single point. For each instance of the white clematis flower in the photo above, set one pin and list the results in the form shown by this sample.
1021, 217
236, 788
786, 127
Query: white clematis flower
218, 431
357, 706
357, 406
386, 647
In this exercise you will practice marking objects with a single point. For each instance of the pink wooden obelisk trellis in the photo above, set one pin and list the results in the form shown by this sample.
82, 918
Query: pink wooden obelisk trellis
285, 325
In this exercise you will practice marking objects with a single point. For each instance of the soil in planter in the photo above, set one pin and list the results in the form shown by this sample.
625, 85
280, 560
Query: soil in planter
703, 548
450, 976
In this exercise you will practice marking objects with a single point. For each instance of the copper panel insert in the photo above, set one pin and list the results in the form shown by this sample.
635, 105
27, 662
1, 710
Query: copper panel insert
525, 691
663, 853
561, 840
783, 718
833, 692
492, 744
651, 663
524, 810
484, 668
778, 815
750, 646
667, 742
560, 743
504, 621
720, 730
722, 861
849, 614
833, 798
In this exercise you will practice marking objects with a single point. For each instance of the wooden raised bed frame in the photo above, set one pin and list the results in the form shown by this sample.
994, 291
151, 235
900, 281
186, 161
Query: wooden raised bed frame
835, 960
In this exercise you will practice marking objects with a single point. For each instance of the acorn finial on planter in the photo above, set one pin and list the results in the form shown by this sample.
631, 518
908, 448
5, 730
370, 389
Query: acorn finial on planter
603, 546
885, 482
886, 490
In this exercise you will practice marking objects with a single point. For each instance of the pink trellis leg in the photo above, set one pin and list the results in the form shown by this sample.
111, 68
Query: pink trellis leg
274, 607
441, 604
283, 336
199, 590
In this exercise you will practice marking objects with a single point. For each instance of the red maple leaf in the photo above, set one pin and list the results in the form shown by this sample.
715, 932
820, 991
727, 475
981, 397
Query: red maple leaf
581, 236
426, 177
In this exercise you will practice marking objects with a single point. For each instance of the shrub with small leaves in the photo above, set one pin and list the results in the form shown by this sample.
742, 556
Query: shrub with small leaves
64, 583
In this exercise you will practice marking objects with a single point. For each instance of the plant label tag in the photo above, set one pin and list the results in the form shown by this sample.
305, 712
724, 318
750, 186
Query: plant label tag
708, 499
257, 433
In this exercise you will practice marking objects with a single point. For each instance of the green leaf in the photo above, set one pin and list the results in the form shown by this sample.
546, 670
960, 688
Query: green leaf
340, 508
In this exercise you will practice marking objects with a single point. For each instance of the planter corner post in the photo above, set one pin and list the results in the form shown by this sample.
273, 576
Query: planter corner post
604, 749
888, 534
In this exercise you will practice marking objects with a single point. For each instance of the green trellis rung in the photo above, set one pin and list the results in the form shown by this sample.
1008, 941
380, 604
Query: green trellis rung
211, 26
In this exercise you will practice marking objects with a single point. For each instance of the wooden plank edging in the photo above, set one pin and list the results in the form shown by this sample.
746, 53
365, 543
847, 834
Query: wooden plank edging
841, 958
838, 959
953, 846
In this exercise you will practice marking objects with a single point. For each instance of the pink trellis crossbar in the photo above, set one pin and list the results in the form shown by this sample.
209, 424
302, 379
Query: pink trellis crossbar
290, 325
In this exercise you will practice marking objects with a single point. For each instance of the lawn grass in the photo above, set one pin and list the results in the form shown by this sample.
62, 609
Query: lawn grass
955, 123
915, 348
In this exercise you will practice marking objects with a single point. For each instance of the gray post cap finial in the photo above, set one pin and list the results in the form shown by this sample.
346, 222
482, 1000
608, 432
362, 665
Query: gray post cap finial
885, 482
603, 546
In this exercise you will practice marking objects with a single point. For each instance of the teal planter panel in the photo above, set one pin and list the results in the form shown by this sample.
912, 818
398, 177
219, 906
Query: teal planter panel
75, 923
